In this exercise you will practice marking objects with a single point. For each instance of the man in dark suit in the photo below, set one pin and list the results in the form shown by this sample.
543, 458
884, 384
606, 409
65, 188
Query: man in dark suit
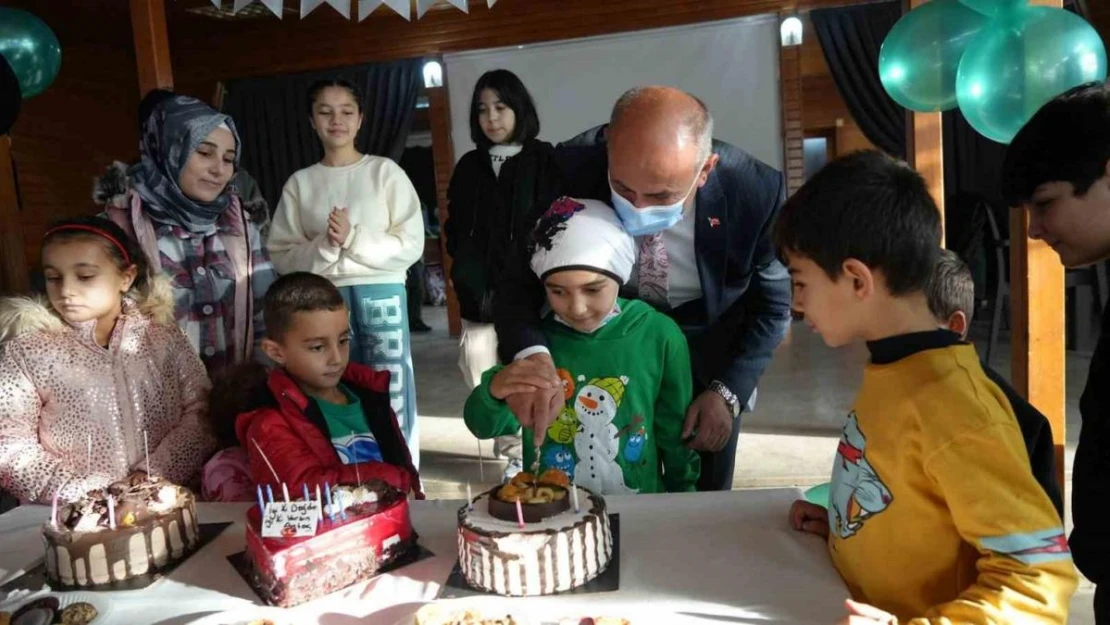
702, 212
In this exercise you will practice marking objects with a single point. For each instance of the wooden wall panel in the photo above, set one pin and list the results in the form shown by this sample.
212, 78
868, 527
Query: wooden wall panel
443, 156
208, 49
1037, 317
13, 266
85, 120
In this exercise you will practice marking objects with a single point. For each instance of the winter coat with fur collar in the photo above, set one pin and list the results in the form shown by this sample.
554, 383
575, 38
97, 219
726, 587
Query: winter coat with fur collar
59, 390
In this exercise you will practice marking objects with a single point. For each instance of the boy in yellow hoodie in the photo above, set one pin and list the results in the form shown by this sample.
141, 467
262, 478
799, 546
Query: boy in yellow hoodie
933, 514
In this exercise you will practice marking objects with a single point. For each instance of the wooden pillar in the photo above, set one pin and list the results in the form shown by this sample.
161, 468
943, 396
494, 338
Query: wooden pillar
443, 155
793, 137
152, 45
1037, 323
925, 143
13, 266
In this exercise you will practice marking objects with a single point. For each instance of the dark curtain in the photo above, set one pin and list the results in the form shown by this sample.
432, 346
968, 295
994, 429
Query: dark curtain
272, 114
851, 37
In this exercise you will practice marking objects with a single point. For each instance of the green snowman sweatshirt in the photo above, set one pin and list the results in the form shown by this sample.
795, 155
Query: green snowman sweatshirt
626, 388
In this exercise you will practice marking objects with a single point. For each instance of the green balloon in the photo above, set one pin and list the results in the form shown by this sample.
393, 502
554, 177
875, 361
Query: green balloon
920, 55
991, 8
1022, 61
31, 48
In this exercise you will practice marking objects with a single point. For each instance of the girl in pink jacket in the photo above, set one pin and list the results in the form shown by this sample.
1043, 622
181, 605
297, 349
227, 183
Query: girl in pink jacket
97, 375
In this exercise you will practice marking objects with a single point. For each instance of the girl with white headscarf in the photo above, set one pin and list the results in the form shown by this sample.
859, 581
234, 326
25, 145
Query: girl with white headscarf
625, 367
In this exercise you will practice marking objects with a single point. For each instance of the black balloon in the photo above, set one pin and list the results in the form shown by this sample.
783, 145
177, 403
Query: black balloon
10, 97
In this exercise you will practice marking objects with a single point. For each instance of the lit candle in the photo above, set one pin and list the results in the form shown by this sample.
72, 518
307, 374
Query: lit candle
519, 514
327, 493
574, 497
111, 512
54, 508
261, 503
307, 497
146, 449
285, 492
469, 498
269, 494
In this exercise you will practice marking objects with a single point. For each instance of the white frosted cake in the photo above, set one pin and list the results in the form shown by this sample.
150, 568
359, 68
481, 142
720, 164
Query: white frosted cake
153, 524
550, 555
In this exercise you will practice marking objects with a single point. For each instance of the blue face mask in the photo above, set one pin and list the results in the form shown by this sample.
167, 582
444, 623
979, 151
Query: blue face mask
650, 219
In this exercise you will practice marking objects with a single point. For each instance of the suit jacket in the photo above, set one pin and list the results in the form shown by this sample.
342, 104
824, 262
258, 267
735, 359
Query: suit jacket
745, 307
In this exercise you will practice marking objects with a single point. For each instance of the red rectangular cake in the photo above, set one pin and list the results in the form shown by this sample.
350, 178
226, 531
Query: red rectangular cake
291, 571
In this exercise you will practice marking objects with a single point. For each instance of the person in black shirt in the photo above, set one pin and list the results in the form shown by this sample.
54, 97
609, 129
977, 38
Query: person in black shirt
951, 297
1058, 169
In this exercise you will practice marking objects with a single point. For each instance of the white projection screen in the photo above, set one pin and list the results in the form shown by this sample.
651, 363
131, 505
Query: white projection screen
731, 65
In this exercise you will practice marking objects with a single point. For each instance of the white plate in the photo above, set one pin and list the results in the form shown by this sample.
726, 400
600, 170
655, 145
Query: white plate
245, 616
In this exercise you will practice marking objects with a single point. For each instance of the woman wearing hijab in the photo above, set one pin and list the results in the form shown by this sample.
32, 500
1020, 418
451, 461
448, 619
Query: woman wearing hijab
178, 203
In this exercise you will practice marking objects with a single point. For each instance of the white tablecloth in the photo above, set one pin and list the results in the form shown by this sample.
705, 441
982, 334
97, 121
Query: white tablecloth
688, 558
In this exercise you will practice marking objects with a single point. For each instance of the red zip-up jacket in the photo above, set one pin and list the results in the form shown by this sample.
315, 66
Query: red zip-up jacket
290, 429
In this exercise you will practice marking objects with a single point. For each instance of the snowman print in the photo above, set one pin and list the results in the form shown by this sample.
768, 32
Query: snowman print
597, 443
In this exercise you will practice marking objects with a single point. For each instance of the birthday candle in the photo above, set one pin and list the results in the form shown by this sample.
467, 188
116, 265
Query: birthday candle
285, 492
574, 497
54, 508
306, 495
146, 448
261, 503
88, 459
319, 503
469, 498
111, 512
327, 493
269, 494
519, 514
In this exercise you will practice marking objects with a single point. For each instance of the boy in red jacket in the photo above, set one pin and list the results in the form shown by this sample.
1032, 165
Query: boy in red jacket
321, 418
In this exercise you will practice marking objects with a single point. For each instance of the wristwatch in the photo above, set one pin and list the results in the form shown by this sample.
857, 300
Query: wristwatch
729, 397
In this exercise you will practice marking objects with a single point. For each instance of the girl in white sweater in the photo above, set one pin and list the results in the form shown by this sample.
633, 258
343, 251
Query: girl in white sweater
355, 219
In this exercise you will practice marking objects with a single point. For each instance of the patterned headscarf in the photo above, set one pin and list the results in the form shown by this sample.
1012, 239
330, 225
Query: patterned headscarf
582, 234
171, 134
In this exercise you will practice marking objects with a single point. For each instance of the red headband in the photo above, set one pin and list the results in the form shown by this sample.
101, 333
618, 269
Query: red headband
94, 230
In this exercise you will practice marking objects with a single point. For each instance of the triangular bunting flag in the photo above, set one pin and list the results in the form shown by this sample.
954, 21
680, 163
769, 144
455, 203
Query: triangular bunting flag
343, 6
276, 6
401, 7
422, 7
308, 6
216, 3
490, 3
460, 5
366, 7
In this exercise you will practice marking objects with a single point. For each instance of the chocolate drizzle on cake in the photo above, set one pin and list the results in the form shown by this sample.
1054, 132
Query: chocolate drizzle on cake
531, 561
156, 525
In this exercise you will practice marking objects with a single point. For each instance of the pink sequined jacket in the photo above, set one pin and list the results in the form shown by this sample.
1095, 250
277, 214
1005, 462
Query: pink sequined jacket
59, 390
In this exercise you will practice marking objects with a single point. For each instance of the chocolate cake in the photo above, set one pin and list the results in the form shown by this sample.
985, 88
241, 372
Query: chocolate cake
155, 525
557, 549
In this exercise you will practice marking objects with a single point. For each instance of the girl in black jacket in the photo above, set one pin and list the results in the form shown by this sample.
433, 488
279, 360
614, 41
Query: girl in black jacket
497, 193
